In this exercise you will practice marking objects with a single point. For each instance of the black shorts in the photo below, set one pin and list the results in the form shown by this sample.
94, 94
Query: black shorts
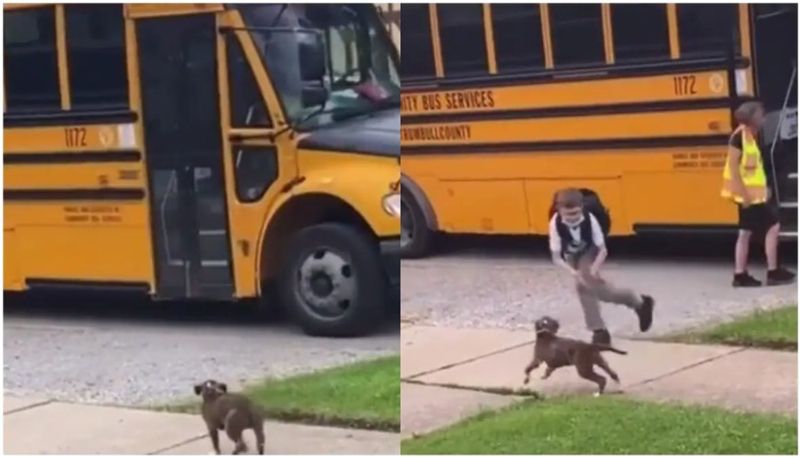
757, 218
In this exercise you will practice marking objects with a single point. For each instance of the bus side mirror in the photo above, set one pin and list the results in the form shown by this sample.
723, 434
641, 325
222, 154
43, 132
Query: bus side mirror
312, 58
313, 69
314, 94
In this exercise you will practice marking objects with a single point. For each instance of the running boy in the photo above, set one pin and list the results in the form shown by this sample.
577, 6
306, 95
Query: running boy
577, 244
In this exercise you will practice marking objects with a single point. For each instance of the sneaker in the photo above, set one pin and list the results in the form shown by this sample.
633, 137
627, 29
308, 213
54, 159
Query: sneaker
745, 280
779, 276
601, 337
645, 313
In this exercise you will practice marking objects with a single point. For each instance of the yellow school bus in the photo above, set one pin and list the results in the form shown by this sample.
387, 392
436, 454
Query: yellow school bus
201, 151
503, 104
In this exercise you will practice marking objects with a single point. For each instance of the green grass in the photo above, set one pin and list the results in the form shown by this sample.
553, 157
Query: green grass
609, 425
360, 395
774, 329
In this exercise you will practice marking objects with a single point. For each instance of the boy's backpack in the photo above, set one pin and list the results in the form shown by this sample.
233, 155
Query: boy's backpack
591, 205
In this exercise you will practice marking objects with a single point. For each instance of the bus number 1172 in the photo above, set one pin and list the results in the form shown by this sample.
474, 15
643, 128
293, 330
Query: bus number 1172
685, 85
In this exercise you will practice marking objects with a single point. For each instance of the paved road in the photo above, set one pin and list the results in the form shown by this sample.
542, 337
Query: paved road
509, 282
136, 353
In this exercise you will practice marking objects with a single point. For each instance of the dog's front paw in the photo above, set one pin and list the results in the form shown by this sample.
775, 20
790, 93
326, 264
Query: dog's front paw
527, 380
596, 394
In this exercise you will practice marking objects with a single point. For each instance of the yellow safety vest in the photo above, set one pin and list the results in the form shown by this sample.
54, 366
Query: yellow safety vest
751, 169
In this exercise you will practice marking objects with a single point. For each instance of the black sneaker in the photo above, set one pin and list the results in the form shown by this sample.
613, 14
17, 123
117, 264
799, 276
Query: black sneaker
645, 313
779, 276
601, 337
745, 280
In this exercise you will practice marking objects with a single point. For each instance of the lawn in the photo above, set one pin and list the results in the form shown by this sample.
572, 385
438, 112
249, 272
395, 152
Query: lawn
360, 395
610, 425
774, 329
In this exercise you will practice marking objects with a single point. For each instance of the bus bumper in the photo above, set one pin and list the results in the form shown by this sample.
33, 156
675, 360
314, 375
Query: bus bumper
390, 257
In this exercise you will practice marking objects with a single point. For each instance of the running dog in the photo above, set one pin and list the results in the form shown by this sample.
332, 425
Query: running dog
557, 352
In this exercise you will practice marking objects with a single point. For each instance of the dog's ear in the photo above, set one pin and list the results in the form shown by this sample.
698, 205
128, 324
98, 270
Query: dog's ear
223, 387
198, 388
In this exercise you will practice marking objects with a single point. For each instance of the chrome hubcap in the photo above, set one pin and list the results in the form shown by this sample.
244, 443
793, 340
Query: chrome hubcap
327, 283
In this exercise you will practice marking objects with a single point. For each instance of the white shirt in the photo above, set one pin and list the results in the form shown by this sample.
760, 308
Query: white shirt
575, 230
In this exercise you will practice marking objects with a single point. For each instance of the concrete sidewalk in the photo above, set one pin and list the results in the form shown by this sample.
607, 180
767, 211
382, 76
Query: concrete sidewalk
453, 373
38, 426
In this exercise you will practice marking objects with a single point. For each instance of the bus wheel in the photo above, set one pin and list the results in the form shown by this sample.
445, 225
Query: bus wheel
333, 284
415, 237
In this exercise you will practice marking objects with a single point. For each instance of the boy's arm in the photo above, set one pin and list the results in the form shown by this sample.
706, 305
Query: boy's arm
555, 248
563, 264
600, 242
598, 261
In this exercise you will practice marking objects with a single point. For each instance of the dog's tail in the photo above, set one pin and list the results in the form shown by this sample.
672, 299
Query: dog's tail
605, 347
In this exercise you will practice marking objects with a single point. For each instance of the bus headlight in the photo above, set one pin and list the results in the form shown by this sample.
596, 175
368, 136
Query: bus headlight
391, 204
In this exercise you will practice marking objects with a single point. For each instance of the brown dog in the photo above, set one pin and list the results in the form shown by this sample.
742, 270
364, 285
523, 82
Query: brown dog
233, 413
557, 352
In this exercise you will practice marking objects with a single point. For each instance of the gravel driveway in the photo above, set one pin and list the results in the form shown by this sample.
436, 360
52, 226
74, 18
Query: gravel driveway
510, 283
140, 354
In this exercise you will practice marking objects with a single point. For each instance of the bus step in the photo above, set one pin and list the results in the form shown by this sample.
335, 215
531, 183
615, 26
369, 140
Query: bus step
788, 218
213, 232
787, 189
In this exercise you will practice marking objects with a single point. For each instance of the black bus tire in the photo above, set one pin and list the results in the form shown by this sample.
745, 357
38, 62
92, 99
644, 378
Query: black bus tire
417, 237
345, 263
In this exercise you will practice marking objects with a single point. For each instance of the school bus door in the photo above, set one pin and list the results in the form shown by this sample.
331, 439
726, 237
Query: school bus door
260, 153
177, 59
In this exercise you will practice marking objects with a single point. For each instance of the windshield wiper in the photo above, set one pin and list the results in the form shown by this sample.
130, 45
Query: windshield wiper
340, 114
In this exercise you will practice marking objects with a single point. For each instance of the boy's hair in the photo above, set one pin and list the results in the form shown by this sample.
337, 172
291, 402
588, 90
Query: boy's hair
746, 111
568, 198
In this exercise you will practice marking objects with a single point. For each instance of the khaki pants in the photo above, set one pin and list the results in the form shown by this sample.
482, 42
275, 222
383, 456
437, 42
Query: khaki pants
595, 291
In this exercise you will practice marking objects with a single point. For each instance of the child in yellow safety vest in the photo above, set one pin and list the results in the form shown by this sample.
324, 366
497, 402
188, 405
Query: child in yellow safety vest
745, 182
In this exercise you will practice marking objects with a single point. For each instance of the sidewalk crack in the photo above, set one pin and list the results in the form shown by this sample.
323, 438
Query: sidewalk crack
27, 407
177, 445
506, 392
687, 367
466, 361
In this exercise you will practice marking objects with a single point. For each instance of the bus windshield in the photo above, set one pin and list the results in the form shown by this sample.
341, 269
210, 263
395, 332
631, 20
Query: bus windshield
362, 72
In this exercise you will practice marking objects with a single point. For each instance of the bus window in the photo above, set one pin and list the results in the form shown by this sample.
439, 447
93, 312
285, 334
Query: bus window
256, 169
463, 39
708, 30
577, 34
247, 104
346, 53
31, 71
416, 39
517, 36
640, 32
96, 55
